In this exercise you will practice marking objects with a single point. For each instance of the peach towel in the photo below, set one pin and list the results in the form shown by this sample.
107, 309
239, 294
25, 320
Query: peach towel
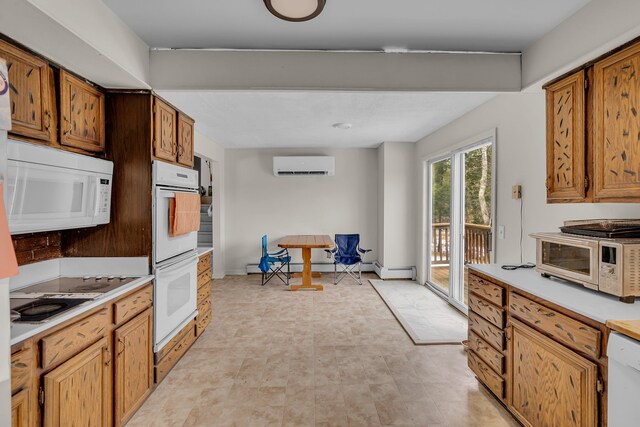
8, 263
184, 216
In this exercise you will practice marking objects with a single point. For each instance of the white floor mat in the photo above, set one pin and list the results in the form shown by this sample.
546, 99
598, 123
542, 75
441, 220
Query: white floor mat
425, 317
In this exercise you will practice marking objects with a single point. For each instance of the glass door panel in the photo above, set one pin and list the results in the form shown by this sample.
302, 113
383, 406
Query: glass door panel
440, 224
476, 207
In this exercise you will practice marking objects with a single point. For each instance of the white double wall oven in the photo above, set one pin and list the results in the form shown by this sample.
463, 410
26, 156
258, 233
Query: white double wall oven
175, 259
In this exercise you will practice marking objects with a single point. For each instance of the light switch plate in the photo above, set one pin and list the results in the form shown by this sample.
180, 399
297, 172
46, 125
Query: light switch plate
501, 232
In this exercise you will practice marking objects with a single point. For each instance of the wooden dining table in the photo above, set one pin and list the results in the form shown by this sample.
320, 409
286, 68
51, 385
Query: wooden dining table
306, 243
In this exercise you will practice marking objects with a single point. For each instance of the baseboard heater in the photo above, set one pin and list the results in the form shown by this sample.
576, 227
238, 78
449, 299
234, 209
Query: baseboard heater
322, 267
394, 273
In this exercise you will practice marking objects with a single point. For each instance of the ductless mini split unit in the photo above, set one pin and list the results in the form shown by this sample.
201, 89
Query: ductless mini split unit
304, 165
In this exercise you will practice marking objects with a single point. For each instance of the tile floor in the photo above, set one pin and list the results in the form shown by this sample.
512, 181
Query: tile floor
335, 358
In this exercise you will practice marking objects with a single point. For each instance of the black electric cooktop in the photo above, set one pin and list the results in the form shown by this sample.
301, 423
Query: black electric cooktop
42, 309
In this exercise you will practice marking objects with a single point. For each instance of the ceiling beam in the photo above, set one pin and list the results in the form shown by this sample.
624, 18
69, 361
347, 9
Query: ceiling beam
600, 26
200, 70
84, 36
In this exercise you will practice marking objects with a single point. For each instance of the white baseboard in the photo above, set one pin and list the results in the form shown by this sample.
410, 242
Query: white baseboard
394, 273
322, 267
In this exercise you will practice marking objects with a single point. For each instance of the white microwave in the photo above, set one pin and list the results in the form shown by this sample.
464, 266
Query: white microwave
50, 189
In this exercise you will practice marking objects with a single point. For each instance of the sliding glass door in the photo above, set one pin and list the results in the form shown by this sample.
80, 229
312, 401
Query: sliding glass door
460, 217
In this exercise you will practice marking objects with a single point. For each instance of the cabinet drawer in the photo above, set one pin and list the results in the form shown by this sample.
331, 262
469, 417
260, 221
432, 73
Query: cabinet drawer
491, 334
203, 319
21, 367
164, 351
67, 342
487, 290
204, 278
570, 332
204, 263
172, 357
130, 306
488, 311
488, 354
485, 374
204, 293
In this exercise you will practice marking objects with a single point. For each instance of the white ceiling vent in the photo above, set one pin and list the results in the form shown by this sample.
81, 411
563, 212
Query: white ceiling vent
304, 165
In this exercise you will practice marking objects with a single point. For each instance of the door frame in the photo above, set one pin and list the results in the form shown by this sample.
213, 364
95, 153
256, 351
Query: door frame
455, 153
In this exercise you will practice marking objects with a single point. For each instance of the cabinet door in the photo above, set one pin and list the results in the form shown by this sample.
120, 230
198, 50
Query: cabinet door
20, 409
77, 393
164, 139
82, 111
566, 143
617, 126
185, 140
29, 94
551, 385
133, 365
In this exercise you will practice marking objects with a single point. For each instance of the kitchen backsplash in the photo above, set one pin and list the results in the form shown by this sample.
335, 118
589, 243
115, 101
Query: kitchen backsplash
36, 247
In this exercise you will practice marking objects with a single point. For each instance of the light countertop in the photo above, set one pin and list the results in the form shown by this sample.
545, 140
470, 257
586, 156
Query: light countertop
22, 331
204, 250
598, 306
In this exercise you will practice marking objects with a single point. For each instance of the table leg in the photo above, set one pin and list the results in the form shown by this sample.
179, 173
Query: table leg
306, 273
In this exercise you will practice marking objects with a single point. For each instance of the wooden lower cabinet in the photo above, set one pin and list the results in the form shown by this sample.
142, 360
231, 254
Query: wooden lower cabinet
133, 377
551, 385
20, 408
82, 382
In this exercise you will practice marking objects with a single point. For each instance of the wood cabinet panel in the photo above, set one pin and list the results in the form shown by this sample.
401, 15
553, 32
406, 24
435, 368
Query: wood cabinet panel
204, 263
82, 114
568, 331
174, 354
21, 368
204, 279
486, 375
566, 142
164, 138
63, 344
552, 386
129, 306
491, 356
204, 317
78, 392
32, 106
21, 408
486, 310
133, 365
185, 140
204, 293
487, 331
617, 126
487, 290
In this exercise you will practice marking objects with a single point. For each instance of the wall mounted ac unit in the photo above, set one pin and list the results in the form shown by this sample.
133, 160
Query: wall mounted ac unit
304, 165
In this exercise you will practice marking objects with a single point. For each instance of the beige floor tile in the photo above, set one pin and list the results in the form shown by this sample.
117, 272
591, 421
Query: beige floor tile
335, 358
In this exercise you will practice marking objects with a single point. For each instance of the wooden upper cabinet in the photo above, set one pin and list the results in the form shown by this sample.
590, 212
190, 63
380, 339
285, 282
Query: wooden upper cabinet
133, 365
164, 138
30, 94
82, 114
566, 143
552, 386
185, 140
77, 393
617, 126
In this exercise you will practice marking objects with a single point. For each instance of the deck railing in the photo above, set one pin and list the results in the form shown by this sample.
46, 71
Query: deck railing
477, 244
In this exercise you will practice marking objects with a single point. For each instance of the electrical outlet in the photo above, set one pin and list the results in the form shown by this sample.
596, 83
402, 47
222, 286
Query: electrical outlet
516, 192
501, 232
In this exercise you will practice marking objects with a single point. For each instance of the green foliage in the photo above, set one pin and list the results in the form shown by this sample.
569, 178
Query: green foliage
441, 191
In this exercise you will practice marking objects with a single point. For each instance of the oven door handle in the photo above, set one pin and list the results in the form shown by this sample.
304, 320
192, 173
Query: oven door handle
178, 266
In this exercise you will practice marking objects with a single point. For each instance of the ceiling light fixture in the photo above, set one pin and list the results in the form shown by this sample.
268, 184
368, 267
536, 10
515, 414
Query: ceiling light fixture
295, 10
343, 126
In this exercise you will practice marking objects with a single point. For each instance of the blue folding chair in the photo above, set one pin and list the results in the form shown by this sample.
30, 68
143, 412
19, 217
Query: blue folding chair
268, 264
349, 255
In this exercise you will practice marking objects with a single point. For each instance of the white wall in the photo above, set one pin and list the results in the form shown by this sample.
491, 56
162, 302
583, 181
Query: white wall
520, 123
257, 202
396, 213
205, 147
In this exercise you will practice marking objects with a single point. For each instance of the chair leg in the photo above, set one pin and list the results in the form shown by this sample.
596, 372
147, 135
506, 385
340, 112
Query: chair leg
288, 273
360, 273
263, 279
335, 273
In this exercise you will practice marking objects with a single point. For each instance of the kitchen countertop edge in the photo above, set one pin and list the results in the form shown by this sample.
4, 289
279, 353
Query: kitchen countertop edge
202, 250
23, 331
595, 305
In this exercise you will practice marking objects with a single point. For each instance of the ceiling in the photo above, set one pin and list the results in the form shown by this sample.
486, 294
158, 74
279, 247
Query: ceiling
284, 119
460, 25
